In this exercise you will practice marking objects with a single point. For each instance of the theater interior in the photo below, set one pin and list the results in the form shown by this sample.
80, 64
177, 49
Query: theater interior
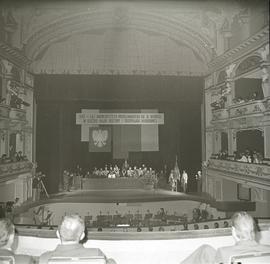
104, 105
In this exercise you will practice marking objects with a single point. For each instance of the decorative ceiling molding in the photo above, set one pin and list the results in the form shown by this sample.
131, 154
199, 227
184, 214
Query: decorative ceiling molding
251, 44
13, 54
98, 20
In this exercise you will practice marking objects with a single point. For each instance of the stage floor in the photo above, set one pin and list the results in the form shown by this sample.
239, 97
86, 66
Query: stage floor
121, 196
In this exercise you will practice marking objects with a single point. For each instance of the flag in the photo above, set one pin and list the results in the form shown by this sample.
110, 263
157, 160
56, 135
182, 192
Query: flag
176, 173
100, 139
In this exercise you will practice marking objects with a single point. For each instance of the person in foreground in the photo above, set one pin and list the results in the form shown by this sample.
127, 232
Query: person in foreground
243, 232
71, 232
7, 236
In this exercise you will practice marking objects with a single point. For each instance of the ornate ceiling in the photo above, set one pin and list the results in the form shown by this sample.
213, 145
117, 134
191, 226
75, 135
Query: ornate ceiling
125, 37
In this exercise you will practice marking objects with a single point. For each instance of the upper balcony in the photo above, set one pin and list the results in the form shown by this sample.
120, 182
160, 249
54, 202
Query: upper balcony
254, 174
13, 169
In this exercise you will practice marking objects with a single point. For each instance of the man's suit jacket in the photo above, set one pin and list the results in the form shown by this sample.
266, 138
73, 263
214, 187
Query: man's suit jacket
73, 250
19, 259
224, 254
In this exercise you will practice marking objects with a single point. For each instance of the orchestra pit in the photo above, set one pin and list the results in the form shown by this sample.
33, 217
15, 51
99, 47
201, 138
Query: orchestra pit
134, 132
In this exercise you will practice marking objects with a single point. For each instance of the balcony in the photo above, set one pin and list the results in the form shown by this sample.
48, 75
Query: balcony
250, 108
254, 174
220, 115
13, 169
17, 114
4, 111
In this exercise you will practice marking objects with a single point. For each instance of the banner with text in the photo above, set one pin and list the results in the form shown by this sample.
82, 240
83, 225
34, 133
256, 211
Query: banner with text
119, 118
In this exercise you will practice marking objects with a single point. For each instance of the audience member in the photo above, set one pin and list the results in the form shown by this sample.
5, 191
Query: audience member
7, 236
243, 232
70, 232
184, 181
225, 224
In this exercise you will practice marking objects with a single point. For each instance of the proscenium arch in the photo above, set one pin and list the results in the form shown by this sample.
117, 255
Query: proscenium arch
141, 21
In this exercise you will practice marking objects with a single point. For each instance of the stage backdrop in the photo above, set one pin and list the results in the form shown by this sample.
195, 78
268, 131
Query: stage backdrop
122, 136
60, 97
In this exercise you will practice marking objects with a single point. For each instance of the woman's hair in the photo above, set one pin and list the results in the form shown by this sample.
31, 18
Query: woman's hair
6, 229
244, 226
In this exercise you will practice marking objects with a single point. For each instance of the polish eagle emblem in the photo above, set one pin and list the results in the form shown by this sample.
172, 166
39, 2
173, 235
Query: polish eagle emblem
100, 137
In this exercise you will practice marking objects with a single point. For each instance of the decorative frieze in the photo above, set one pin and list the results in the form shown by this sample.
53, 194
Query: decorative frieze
14, 168
220, 114
4, 111
248, 64
17, 114
249, 108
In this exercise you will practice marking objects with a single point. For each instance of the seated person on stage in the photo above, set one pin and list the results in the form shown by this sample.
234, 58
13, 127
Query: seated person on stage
243, 232
7, 235
70, 232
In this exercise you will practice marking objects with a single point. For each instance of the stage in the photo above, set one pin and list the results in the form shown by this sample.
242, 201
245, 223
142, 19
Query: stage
121, 196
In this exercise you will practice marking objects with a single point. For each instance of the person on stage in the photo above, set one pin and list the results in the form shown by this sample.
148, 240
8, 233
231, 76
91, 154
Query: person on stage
184, 181
199, 181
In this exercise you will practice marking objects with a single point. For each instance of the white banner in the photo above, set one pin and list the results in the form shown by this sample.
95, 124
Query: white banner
119, 118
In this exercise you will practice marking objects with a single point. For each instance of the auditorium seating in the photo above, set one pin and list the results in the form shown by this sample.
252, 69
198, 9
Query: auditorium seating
137, 247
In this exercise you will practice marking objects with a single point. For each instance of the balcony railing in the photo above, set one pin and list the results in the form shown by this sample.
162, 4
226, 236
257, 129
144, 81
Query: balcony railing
17, 114
8, 170
220, 115
246, 109
250, 108
4, 111
257, 174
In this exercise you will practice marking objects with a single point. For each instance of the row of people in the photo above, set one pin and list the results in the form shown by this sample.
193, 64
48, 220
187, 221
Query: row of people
116, 172
72, 230
18, 156
249, 156
252, 97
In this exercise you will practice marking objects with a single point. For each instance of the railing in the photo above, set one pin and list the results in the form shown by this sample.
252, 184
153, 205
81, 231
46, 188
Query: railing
250, 108
17, 114
220, 114
258, 174
14, 168
4, 111
246, 109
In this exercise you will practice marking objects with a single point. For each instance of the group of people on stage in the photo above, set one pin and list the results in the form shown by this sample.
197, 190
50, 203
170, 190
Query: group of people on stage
126, 171
179, 182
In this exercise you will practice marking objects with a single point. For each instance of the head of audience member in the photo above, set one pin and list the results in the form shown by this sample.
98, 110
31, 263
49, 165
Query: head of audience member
7, 233
71, 230
225, 224
243, 226
216, 225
